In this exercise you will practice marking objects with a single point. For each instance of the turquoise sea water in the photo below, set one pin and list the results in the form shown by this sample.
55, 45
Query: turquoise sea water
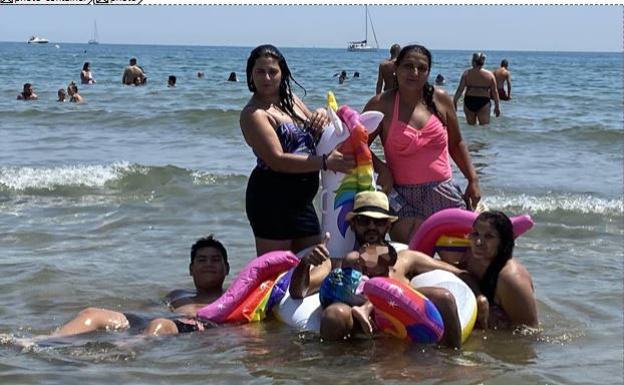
100, 202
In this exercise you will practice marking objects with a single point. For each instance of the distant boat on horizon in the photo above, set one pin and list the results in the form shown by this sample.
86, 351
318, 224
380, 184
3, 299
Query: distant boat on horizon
362, 45
94, 37
37, 40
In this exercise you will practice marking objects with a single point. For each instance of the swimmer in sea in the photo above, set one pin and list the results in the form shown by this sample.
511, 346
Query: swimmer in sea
503, 76
61, 95
28, 93
171, 81
232, 77
209, 267
74, 96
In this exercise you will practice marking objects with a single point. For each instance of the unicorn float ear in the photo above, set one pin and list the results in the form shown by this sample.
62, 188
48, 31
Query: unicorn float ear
334, 133
371, 120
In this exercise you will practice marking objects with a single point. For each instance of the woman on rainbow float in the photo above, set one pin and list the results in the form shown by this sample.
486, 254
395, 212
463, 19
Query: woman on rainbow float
283, 133
419, 132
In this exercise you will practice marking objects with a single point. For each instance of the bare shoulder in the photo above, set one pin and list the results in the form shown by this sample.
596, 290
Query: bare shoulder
375, 103
440, 95
251, 114
514, 276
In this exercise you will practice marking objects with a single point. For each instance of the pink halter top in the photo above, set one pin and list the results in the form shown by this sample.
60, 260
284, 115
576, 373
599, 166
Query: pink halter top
417, 156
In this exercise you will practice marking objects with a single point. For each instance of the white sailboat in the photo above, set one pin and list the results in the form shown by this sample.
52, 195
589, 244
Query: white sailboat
362, 45
94, 38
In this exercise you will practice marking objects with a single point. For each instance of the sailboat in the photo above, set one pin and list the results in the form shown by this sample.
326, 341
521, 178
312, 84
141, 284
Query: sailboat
362, 45
94, 38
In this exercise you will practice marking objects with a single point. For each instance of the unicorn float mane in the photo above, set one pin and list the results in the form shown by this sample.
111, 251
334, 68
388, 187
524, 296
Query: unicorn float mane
348, 132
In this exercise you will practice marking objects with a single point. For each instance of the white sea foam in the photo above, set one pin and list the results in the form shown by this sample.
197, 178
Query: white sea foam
22, 178
579, 203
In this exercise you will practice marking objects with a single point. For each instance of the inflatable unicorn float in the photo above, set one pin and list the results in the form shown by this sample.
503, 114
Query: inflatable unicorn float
262, 286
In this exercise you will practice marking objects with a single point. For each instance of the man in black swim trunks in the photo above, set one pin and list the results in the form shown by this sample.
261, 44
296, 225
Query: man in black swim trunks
209, 267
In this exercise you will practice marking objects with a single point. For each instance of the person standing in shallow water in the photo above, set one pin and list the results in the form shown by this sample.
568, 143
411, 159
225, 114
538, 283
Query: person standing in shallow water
418, 132
28, 93
480, 86
283, 132
385, 78
503, 76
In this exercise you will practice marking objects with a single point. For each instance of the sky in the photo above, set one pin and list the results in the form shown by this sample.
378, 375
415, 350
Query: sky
480, 27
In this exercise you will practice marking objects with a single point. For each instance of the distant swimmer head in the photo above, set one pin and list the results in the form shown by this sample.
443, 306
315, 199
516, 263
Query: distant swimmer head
171, 82
133, 61
439, 79
61, 95
504, 63
85, 66
232, 77
478, 59
200, 74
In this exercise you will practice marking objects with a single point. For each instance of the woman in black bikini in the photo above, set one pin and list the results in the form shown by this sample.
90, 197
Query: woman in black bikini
480, 85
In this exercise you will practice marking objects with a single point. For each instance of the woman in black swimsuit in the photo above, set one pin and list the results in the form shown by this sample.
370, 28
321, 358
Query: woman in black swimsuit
283, 132
480, 85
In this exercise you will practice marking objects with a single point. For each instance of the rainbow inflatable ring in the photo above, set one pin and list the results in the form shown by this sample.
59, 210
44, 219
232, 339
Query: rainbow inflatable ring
259, 286
448, 229
403, 312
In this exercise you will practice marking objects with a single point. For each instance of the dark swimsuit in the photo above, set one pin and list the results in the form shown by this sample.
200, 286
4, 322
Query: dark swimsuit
475, 103
279, 205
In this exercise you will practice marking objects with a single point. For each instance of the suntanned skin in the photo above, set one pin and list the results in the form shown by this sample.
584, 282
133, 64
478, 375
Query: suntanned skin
208, 271
385, 77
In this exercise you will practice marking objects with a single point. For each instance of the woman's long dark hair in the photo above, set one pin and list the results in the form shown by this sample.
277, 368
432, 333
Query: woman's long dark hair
504, 227
286, 99
427, 88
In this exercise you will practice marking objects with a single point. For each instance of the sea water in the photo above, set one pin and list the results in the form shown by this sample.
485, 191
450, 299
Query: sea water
100, 202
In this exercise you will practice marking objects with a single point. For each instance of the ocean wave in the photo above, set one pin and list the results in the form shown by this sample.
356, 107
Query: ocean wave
124, 176
574, 203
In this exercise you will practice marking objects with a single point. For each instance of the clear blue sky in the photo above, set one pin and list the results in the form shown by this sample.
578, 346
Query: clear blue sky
485, 27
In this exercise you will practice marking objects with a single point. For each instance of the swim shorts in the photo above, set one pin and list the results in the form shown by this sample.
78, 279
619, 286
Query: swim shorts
342, 285
422, 200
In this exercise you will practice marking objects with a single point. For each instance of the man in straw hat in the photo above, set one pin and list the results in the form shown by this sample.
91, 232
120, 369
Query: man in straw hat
370, 220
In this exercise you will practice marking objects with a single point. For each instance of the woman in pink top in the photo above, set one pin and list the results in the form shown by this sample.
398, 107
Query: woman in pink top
419, 132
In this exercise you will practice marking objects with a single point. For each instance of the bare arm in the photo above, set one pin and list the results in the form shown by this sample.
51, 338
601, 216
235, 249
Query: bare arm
459, 91
508, 81
310, 272
261, 136
380, 81
459, 150
381, 168
494, 89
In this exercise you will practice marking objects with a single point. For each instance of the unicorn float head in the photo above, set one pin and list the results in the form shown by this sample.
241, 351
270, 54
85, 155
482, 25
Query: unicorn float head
348, 132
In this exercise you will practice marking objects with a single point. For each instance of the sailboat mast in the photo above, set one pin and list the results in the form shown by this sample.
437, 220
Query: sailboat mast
366, 23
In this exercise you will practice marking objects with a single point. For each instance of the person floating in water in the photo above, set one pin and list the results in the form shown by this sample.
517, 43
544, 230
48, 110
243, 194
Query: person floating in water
28, 93
209, 267
200, 74
171, 82
342, 77
74, 96
439, 80
356, 74
232, 77
61, 95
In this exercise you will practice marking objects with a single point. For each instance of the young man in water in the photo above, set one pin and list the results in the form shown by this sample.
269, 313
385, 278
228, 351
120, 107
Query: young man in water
385, 78
370, 220
503, 76
133, 74
28, 93
209, 267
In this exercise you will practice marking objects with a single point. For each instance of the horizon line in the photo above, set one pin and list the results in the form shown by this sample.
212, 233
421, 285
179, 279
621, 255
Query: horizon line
314, 47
